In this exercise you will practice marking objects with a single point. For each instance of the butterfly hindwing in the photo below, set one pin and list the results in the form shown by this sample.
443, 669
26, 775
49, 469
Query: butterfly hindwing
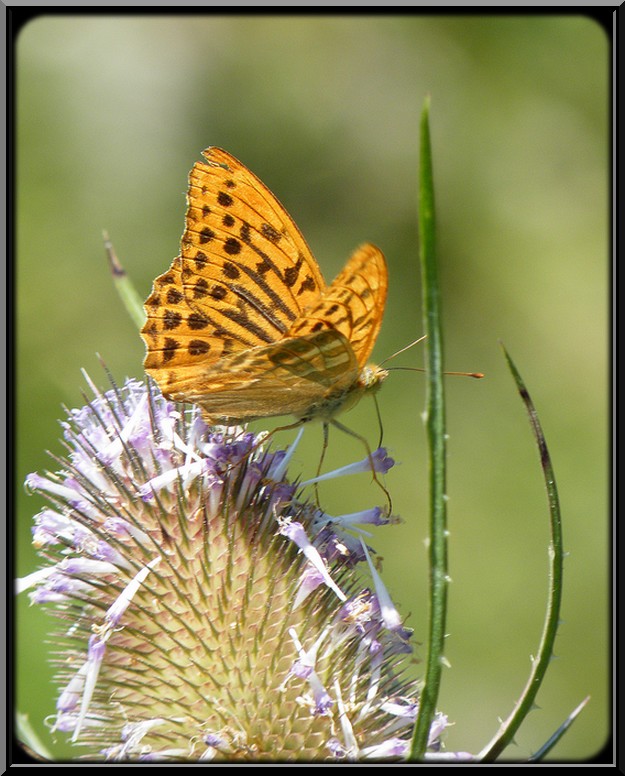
353, 303
292, 377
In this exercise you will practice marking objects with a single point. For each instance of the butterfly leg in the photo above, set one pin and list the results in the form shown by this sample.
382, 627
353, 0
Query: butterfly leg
269, 434
379, 416
326, 434
370, 456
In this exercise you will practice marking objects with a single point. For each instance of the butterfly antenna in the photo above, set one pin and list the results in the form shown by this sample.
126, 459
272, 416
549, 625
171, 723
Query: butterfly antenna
477, 375
404, 349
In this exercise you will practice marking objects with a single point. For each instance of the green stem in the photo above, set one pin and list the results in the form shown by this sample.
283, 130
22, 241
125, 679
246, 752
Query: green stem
436, 435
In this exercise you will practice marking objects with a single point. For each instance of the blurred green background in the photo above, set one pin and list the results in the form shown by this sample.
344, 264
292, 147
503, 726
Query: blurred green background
112, 112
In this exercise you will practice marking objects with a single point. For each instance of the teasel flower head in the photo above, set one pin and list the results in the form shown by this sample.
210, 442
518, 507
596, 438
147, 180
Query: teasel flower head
209, 610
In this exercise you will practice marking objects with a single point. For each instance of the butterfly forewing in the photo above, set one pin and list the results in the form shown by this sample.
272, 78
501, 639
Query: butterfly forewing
237, 226
244, 275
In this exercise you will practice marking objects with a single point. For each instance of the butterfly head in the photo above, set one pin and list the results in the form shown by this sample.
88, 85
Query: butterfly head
371, 378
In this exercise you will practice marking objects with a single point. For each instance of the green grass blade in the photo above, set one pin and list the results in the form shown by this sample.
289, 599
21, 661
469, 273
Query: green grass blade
540, 663
28, 738
436, 436
125, 288
553, 740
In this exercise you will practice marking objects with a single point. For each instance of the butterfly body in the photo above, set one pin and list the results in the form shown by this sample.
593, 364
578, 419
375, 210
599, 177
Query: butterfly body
243, 325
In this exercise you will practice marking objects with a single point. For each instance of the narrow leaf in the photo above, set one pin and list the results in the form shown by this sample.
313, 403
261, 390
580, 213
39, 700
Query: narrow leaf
540, 663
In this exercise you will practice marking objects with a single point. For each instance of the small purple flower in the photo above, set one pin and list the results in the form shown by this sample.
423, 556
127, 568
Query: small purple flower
379, 462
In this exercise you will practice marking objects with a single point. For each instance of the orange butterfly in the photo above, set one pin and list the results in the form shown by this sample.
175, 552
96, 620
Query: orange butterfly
242, 323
